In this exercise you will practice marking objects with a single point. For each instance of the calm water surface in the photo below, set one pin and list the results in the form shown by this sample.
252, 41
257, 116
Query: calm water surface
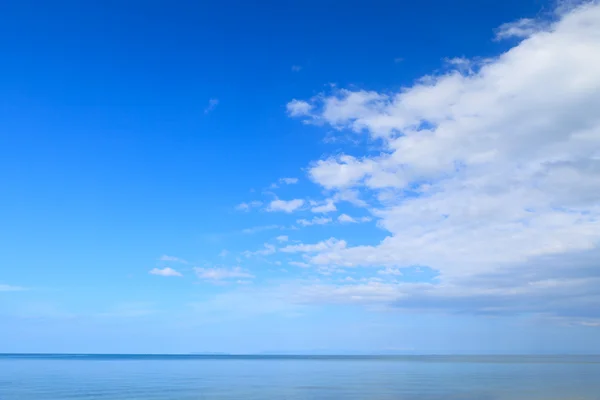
60, 377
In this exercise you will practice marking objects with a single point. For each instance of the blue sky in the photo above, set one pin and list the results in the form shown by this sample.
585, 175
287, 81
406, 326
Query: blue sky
414, 177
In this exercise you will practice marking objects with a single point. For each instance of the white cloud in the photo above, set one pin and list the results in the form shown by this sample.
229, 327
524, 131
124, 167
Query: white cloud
285, 181
248, 206
326, 207
282, 238
331, 243
351, 196
297, 108
481, 171
167, 258
296, 68
164, 272
314, 221
299, 264
288, 206
10, 288
220, 274
522, 28
390, 271
289, 181
212, 104
345, 218
223, 253
267, 249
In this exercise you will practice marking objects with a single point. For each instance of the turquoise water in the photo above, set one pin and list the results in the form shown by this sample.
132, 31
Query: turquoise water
116, 377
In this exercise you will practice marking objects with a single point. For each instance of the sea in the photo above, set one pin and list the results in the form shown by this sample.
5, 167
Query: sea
224, 377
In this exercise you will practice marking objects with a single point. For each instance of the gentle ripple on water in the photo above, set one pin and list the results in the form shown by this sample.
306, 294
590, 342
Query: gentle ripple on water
298, 378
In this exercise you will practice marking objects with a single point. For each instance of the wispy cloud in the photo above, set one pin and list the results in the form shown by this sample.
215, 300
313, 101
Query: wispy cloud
326, 207
222, 274
265, 251
288, 181
345, 219
261, 228
284, 181
329, 244
287, 206
248, 206
167, 271
296, 68
521, 28
299, 264
10, 288
212, 104
282, 238
314, 221
167, 258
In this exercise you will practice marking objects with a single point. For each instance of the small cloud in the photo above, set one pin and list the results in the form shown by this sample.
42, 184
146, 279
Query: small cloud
223, 253
298, 108
261, 228
285, 181
288, 206
267, 250
398, 60
212, 104
328, 206
296, 68
167, 258
314, 221
282, 238
248, 206
164, 272
522, 28
220, 274
289, 181
10, 288
390, 271
345, 218
299, 264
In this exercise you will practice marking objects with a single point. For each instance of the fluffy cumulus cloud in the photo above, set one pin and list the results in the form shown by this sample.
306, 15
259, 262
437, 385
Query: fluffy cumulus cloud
297, 108
167, 271
490, 175
287, 206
